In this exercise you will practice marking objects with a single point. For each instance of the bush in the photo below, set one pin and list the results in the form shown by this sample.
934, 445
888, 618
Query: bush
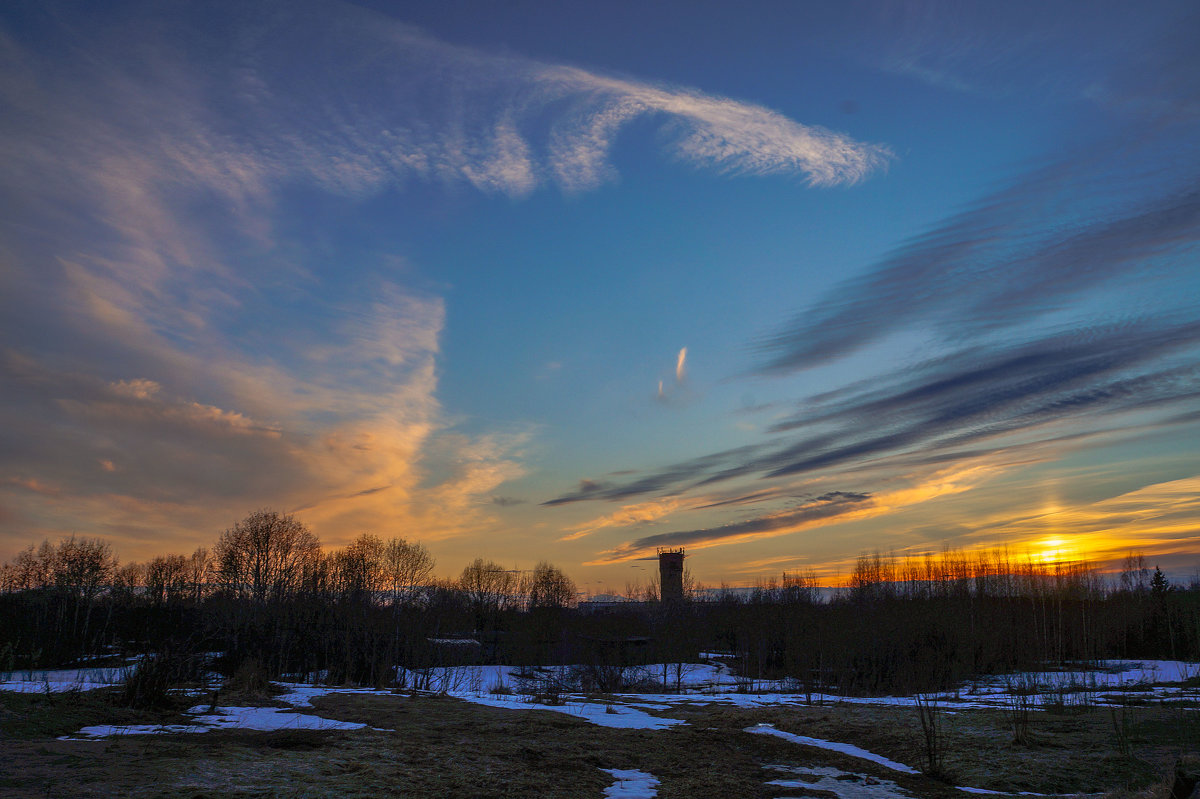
249, 679
151, 682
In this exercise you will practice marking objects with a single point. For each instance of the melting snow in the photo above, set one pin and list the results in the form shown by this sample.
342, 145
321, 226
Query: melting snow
846, 749
842, 784
301, 695
631, 784
62, 680
604, 715
262, 719
871, 787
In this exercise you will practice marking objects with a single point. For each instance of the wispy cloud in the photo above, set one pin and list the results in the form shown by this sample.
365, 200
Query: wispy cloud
348, 455
1016, 256
731, 136
820, 510
964, 405
155, 321
357, 114
827, 509
627, 516
1158, 518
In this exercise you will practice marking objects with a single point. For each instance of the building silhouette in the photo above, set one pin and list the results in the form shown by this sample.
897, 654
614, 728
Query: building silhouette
670, 574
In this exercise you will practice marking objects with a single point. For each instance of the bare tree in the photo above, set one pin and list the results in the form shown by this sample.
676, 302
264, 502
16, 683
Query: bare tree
81, 567
265, 555
406, 565
550, 587
359, 567
488, 586
167, 578
128, 580
1135, 575
199, 570
33, 568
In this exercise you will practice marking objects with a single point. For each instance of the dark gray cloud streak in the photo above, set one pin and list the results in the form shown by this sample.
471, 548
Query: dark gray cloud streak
996, 282
1001, 264
1116, 207
823, 508
968, 404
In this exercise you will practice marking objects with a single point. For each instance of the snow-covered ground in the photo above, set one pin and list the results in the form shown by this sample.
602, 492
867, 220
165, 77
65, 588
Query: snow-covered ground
814, 781
302, 694
262, 719
845, 749
63, 680
631, 784
603, 714
712, 683
694, 683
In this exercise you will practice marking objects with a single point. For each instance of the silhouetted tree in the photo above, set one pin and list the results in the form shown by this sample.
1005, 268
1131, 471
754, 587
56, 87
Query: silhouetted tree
489, 588
406, 565
265, 555
550, 587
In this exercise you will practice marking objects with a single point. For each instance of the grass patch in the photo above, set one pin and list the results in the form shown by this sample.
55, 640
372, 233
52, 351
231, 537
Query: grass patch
449, 748
32, 716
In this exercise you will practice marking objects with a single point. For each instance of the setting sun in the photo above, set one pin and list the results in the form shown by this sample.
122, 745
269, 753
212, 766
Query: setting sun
1054, 550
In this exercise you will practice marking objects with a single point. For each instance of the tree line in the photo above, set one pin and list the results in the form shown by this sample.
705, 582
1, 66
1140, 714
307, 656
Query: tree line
266, 599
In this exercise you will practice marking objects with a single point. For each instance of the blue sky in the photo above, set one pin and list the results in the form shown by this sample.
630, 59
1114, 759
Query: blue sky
574, 281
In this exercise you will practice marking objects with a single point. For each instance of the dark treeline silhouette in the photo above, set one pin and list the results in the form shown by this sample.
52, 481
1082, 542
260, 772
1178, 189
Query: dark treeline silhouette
271, 602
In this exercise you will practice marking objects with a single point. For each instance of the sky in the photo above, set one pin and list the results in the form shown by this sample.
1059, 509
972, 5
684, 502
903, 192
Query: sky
780, 284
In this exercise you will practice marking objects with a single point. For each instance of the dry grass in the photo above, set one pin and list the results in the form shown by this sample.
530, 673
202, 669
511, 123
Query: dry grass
448, 748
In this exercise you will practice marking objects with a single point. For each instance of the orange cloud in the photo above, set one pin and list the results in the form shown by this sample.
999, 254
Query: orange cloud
1163, 517
632, 514
830, 509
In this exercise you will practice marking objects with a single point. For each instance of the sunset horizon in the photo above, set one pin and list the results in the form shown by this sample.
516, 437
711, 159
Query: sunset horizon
569, 283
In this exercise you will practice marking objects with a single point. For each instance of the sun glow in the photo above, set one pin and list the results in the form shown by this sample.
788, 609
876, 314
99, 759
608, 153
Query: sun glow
1054, 550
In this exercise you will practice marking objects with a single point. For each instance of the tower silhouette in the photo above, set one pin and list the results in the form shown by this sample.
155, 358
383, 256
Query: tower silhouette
670, 574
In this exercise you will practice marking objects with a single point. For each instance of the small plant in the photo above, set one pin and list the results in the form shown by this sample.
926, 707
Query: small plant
498, 688
249, 678
930, 717
1019, 701
1122, 730
548, 696
150, 684
8, 657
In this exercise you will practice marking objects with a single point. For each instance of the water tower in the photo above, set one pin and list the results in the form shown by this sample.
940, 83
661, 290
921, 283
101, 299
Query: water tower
670, 574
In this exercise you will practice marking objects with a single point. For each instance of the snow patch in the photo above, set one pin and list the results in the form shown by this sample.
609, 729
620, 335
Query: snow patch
841, 784
301, 695
631, 784
58, 681
260, 719
603, 715
833, 746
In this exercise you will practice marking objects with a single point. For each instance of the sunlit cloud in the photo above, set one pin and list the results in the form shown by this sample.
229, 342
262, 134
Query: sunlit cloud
629, 515
1160, 517
159, 167
190, 468
828, 509
731, 136
966, 404
678, 392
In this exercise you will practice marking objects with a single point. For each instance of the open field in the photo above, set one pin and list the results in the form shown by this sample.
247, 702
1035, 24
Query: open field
457, 744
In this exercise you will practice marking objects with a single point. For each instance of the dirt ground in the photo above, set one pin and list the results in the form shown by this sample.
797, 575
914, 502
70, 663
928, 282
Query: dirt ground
437, 746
